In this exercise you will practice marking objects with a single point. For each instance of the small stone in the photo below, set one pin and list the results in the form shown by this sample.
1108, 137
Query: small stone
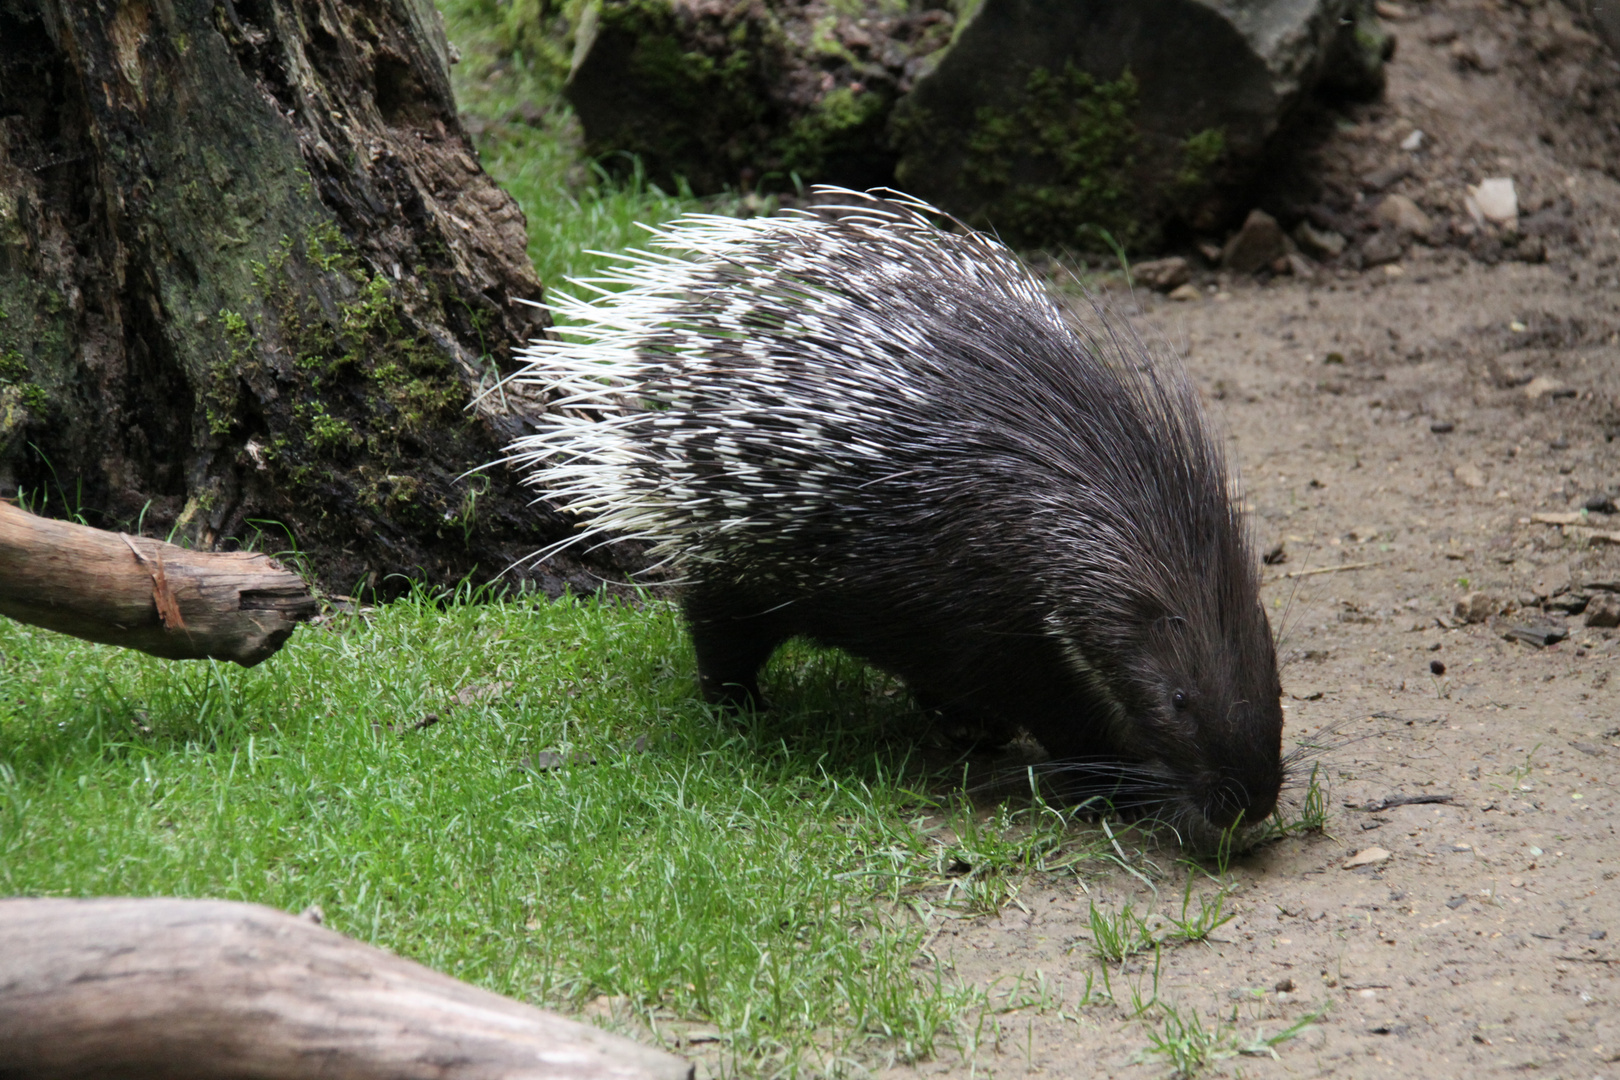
1599, 504
1256, 245
1469, 475
1442, 31
1437, 667
1284, 986
1383, 177
1603, 610
1186, 292
1542, 386
1532, 249
1388, 9
1301, 267
1210, 251
1494, 200
1538, 636
1404, 216
1318, 243
1162, 275
1442, 427
1382, 247
1363, 533
1482, 55
1368, 857
1413, 142
1476, 607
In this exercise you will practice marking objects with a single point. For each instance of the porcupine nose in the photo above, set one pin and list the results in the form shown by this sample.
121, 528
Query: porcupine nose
1233, 797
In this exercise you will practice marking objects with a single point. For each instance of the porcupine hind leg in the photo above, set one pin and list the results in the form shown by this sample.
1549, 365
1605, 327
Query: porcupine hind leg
731, 648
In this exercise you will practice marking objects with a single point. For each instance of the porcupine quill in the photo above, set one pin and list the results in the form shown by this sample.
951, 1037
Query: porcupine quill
859, 428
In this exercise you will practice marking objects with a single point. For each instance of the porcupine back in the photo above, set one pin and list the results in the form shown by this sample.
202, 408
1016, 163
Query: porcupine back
886, 437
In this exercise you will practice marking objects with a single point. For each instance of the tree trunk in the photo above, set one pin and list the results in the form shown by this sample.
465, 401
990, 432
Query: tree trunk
214, 990
252, 277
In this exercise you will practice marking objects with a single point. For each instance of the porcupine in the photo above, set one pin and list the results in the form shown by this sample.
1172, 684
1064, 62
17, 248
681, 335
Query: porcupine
858, 428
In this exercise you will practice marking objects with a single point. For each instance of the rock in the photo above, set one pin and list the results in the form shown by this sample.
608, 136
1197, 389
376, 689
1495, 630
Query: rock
1538, 635
1481, 54
1413, 142
1530, 249
1256, 245
1301, 267
1050, 118
720, 94
1163, 275
1368, 857
1383, 246
1495, 201
1604, 18
1404, 216
1603, 610
1469, 475
1393, 173
1600, 504
1476, 607
1318, 243
1186, 292
1552, 581
1543, 386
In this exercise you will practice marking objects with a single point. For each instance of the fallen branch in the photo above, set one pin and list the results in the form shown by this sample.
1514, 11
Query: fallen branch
145, 594
210, 989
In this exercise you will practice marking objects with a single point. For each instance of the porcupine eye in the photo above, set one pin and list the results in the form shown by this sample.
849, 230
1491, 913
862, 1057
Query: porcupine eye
1179, 699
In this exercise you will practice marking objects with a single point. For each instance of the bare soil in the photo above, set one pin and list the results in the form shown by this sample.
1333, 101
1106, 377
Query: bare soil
1397, 427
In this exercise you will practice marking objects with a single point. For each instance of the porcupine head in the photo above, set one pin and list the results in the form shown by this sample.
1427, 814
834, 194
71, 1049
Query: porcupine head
858, 428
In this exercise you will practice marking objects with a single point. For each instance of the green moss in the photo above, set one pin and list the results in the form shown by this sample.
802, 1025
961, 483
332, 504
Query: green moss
13, 368
1079, 137
845, 119
1197, 171
363, 390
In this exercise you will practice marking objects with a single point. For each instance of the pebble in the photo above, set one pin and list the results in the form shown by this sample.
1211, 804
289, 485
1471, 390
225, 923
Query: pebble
1539, 636
1442, 427
1413, 141
1256, 245
1603, 610
1600, 504
1367, 857
1543, 385
1469, 475
1476, 607
1162, 275
1404, 215
1382, 247
1385, 176
1437, 667
1318, 243
1494, 200
1185, 292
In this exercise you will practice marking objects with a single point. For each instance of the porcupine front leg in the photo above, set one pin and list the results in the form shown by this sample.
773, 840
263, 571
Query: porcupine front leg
731, 648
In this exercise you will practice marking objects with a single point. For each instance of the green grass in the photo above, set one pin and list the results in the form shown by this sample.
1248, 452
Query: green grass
763, 875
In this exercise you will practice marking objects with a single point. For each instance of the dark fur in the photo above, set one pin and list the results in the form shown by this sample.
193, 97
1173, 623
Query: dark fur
1047, 540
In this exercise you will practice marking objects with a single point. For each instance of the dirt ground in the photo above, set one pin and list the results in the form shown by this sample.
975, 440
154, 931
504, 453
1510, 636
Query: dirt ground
1397, 427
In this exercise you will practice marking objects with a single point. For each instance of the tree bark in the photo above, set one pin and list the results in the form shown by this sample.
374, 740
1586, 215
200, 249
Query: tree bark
209, 989
144, 594
252, 277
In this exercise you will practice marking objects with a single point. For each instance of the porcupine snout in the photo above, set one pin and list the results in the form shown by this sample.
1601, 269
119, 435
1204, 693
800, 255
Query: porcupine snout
1217, 725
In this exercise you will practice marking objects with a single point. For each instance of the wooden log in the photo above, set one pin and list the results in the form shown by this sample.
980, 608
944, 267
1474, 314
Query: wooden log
209, 989
145, 594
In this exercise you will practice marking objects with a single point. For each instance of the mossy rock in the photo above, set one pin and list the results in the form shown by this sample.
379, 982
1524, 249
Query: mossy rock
752, 94
1080, 123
